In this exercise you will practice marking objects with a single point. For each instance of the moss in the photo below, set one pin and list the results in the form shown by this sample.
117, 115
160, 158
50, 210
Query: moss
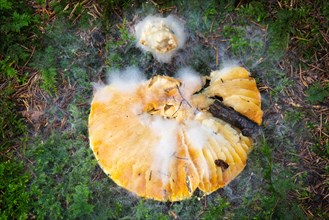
317, 93
62, 168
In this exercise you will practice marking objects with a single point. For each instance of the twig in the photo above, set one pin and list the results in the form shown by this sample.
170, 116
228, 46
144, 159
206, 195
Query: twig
183, 97
259, 25
239, 4
317, 68
212, 24
96, 9
33, 50
216, 56
72, 12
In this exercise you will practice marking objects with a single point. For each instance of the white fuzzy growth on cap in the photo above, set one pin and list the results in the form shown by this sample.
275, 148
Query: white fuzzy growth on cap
191, 82
164, 150
126, 81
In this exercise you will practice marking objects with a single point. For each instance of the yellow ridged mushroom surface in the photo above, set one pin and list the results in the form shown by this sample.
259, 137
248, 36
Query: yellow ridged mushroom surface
238, 90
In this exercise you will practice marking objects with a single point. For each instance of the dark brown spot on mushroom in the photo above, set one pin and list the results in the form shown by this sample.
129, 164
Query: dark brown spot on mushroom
150, 177
181, 158
207, 83
165, 193
219, 98
166, 107
222, 164
167, 90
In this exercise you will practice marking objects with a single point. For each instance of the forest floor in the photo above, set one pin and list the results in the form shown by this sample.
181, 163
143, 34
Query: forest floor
54, 51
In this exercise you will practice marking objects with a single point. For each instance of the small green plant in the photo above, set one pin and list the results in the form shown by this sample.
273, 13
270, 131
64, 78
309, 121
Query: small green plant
117, 48
45, 62
80, 205
141, 211
16, 26
48, 72
278, 82
6, 68
62, 167
254, 10
317, 93
210, 11
267, 153
321, 147
48, 79
112, 4
278, 34
14, 194
236, 38
244, 42
294, 117
216, 208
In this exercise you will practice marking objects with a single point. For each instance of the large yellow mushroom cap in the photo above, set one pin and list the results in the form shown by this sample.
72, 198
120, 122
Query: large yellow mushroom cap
154, 142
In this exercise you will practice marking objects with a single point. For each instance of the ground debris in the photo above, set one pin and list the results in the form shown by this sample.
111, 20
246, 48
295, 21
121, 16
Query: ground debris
227, 114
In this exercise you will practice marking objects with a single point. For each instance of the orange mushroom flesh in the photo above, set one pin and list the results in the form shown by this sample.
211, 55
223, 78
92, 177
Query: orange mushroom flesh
154, 142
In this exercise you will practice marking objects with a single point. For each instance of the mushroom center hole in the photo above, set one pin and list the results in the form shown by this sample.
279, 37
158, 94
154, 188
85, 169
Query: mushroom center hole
176, 110
168, 110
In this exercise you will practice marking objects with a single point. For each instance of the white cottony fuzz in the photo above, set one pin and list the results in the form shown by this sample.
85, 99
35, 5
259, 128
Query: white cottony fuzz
102, 94
191, 81
127, 80
227, 65
164, 150
196, 134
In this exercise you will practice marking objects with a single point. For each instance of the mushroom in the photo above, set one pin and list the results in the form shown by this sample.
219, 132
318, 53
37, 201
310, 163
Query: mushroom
156, 142
160, 36
238, 90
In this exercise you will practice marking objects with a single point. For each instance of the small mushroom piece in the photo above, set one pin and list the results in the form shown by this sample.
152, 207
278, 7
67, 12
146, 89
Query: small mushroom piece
160, 36
152, 141
238, 90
